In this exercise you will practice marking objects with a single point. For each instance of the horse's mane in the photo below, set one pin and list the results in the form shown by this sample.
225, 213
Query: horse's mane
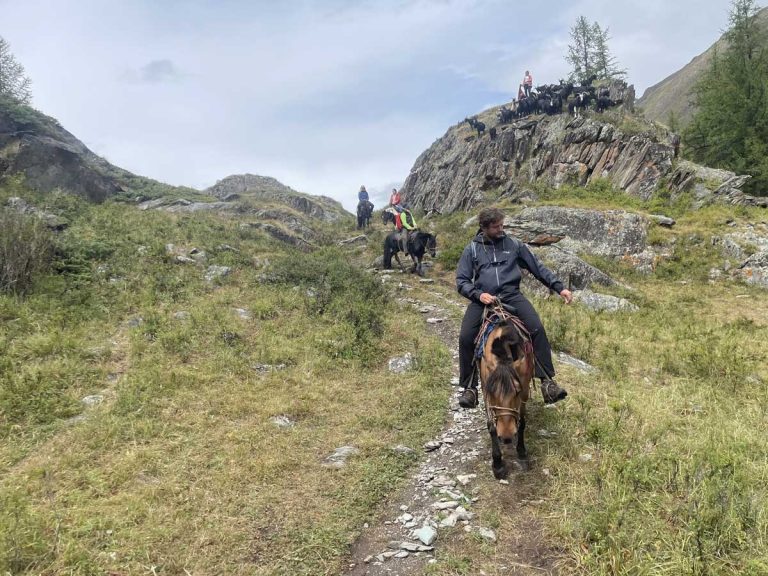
507, 348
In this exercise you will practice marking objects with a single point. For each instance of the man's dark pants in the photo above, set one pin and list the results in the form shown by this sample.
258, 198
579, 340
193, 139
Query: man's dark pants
470, 326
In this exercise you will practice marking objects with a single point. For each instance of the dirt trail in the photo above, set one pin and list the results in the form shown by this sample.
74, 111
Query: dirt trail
388, 546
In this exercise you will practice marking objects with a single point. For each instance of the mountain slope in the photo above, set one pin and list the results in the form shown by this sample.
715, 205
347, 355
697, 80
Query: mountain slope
672, 95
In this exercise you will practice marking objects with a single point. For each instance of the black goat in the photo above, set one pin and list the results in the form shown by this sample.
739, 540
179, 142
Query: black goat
579, 103
492, 133
506, 115
476, 124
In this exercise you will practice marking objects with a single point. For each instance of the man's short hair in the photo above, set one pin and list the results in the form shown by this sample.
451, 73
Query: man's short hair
490, 216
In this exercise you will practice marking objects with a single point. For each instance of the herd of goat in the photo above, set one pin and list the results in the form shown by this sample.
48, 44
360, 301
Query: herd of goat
549, 99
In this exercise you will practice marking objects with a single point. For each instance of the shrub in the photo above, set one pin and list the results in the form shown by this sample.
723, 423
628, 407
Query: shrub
26, 248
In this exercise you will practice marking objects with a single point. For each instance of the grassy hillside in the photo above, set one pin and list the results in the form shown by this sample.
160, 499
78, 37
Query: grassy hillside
179, 466
673, 94
657, 463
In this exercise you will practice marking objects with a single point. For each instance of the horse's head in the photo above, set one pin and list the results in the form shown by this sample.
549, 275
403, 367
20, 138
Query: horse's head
506, 371
430, 244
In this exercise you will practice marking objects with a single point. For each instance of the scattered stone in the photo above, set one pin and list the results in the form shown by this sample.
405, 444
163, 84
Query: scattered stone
402, 554
546, 433
426, 281
226, 248
401, 364
282, 421
405, 518
662, 220
268, 367
243, 313
215, 272
503, 481
181, 315
413, 547
92, 400
455, 381
435, 320
465, 478
485, 533
603, 302
426, 534
401, 449
361, 239
575, 362
135, 322
448, 505
585, 457
432, 445
339, 457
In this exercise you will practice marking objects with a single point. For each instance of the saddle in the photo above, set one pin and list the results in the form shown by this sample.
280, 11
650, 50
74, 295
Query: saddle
494, 315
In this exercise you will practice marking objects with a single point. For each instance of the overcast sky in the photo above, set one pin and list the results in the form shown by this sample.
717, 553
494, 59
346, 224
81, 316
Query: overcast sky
322, 95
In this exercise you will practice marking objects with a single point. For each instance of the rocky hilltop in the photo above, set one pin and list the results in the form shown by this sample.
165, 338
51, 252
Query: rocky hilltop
269, 189
462, 169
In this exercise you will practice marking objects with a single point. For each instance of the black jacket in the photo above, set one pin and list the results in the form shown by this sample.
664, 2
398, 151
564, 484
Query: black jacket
493, 266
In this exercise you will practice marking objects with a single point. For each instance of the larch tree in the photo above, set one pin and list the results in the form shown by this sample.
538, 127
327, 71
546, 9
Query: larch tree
730, 126
14, 83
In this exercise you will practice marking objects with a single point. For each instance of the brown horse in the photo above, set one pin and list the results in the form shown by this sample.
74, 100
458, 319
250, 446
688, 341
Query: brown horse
506, 370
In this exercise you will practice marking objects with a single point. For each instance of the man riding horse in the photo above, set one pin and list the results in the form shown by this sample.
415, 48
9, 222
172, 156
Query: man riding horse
489, 270
364, 208
406, 225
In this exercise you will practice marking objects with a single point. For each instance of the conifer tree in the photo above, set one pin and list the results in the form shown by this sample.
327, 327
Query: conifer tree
588, 52
730, 126
605, 63
14, 83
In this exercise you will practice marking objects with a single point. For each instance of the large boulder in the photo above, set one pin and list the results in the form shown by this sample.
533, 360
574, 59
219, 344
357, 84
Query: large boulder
612, 233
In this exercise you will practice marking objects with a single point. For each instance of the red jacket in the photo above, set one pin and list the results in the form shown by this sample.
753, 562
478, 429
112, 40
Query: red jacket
394, 199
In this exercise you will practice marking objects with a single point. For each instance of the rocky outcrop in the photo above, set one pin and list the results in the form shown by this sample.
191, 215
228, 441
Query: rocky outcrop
250, 186
710, 185
612, 233
51, 221
461, 168
49, 157
279, 233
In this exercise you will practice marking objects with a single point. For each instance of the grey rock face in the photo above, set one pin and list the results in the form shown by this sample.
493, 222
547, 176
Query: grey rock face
456, 171
609, 233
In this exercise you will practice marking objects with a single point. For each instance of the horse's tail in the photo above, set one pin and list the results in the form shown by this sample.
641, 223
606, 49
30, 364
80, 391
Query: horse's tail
387, 254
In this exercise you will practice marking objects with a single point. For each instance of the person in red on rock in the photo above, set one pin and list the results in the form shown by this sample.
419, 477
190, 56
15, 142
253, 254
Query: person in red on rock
527, 83
395, 198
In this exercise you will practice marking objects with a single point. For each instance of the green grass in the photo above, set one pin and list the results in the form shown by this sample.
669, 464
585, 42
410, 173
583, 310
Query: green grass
180, 468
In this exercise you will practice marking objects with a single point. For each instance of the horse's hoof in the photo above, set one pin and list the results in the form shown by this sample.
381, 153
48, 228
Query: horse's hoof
522, 465
501, 473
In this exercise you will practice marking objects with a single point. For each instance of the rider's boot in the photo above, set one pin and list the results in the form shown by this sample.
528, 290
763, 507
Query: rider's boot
468, 397
551, 391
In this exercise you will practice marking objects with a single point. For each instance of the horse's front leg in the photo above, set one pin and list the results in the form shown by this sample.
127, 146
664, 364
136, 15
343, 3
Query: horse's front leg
399, 263
500, 470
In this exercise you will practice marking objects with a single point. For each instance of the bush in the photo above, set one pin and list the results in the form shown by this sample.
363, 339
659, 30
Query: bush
26, 248
334, 288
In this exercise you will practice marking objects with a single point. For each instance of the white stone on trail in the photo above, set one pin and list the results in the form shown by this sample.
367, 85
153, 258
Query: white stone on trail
465, 479
426, 534
444, 481
435, 320
339, 457
455, 381
426, 281
432, 445
505, 482
403, 507
546, 433
448, 440
448, 505
585, 457
404, 518
485, 533
401, 449
413, 547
